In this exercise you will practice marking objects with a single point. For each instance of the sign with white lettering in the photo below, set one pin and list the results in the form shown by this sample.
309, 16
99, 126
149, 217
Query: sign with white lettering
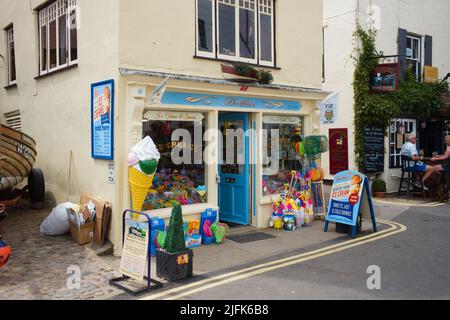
350, 198
219, 101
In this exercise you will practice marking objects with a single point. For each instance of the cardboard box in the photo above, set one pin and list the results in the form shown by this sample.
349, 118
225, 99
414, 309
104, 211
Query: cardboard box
83, 235
100, 208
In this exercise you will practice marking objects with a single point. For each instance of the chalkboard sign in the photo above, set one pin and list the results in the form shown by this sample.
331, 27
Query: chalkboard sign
373, 150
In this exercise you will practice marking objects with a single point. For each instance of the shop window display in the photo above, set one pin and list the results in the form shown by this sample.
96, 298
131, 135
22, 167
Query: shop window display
291, 132
173, 184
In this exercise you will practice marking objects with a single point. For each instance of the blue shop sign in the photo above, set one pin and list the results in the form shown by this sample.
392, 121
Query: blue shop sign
219, 101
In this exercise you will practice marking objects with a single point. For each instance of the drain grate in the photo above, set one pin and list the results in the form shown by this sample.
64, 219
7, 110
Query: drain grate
250, 237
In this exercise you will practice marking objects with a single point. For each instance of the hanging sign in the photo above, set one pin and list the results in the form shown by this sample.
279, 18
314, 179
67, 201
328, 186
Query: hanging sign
102, 120
135, 249
350, 198
373, 150
338, 150
329, 110
219, 101
385, 78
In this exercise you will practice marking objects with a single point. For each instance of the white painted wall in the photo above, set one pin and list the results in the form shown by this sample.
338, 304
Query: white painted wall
56, 109
420, 17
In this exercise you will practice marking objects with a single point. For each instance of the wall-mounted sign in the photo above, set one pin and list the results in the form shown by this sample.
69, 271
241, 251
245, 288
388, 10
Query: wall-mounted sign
281, 120
430, 74
385, 78
329, 110
350, 198
102, 120
174, 116
338, 150
373, 150
219, 101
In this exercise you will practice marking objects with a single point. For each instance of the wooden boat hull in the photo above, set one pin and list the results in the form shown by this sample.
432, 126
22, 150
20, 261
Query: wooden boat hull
17, 157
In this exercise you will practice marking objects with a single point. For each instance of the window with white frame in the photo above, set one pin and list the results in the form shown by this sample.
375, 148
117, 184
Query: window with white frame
237, 30
11, 56
58, 41
398, 130
414, 55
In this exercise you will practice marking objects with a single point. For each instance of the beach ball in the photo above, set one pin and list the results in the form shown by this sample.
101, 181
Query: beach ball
5, 252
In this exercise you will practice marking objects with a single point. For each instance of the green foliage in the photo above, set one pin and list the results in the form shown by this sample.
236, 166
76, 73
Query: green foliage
175, 241
413, 99
265, 77
379, 185
244, 69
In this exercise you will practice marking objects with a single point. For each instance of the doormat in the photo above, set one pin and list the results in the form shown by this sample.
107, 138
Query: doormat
250, 237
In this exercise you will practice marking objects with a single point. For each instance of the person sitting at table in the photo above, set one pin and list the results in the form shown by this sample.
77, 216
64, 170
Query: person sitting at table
409, 149
444, 167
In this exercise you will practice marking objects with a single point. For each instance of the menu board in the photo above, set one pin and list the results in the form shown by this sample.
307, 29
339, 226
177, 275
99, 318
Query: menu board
373, 150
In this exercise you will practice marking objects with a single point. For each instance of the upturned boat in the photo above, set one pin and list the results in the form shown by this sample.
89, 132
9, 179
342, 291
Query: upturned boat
17, 157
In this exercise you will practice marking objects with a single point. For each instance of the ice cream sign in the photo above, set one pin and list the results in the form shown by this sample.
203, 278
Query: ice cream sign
350, 198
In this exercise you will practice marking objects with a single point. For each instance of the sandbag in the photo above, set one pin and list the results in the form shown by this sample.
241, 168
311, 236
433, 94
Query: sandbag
57, 223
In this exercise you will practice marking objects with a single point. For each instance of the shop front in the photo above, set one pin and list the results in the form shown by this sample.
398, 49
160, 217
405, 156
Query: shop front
219, 143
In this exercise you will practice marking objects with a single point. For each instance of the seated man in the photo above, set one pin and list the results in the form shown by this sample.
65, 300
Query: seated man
409, 149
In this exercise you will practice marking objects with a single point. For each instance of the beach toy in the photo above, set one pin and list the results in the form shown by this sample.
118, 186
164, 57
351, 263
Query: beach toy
278, 223
207, 229
5, 252
161, 238
201, 190
219, 232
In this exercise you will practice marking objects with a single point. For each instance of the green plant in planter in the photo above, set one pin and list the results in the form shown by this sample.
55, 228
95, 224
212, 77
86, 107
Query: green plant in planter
379, 185
175, 241
265, 77
244, 68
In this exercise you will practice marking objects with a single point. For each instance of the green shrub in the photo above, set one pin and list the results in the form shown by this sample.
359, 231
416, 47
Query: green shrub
379, 186
175, 241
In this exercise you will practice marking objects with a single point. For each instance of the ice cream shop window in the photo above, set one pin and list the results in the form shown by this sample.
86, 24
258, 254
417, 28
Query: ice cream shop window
180, 177
281, 151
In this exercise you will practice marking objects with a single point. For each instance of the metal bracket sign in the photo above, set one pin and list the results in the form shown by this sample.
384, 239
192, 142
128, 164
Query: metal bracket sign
350, 198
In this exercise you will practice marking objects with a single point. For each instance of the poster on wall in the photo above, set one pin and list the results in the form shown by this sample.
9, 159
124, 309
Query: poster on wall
102, 122
135, 249
350, 199
329, 110
338, 150
385, 78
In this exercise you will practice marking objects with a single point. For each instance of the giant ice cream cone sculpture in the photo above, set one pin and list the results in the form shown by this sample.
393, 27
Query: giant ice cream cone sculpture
142, 164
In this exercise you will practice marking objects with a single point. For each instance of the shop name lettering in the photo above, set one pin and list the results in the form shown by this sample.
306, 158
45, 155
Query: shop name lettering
236, 102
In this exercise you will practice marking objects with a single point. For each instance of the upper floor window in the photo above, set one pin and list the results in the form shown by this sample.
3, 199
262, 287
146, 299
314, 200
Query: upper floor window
414, 55
11, 55
58, 40
238, 30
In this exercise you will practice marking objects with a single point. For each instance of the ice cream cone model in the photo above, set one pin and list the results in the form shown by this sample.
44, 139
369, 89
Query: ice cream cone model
142, 172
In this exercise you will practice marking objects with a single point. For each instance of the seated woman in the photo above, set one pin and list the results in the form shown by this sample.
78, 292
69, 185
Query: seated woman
446, 156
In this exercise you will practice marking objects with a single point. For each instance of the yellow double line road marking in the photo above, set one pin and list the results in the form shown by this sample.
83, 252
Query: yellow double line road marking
223, 279
410, 204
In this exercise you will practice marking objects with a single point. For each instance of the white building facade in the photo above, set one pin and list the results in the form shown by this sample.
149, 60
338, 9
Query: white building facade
414, 32
53, 51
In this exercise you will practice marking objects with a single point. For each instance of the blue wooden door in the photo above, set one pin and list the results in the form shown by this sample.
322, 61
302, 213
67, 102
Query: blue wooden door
234, 186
